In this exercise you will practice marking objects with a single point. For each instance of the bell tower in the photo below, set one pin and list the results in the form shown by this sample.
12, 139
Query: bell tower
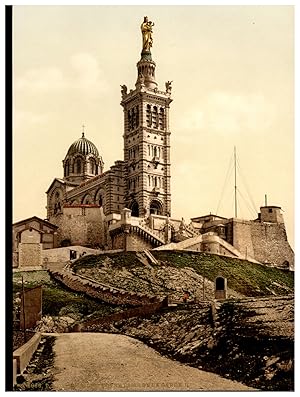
147, 137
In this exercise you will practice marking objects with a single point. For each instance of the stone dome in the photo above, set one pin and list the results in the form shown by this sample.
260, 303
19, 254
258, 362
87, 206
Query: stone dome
83, 146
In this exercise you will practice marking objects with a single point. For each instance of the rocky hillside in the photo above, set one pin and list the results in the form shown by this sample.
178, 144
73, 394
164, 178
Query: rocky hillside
178, 271
248, 340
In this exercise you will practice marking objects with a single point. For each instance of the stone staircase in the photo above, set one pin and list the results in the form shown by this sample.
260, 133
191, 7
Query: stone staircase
147, 234
146, 258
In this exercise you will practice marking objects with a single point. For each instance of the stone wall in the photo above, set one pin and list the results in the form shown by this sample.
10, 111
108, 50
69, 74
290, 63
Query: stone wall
15, 258
118, 241
129, 242
24, 353
137, 243
242, 237
141, 311
270, 244
32, 306
265, 242
103, 292
81, 225
62, 254
30, 248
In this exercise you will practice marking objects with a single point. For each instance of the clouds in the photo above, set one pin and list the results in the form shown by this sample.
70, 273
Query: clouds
49, 79
82, 76
224, 113
89, 77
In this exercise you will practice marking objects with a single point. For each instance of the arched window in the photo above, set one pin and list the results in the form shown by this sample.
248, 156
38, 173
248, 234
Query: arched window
161, 118
137, 117
132, 124
155, 117
67, 168
86, 199
56, 202
155, 207
134, 209
148, 116
129, 119
92, 166
78, 166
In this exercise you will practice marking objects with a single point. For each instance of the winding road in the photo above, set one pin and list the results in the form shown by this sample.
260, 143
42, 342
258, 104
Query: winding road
108, 362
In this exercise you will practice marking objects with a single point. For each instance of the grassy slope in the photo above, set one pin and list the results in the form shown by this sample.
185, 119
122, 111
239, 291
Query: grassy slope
247, 278
55, 296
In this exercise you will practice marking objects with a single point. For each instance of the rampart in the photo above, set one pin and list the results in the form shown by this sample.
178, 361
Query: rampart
266, 242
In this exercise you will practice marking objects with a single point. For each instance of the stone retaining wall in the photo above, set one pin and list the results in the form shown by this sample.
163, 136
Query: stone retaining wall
105, 293
25, 352
141, 311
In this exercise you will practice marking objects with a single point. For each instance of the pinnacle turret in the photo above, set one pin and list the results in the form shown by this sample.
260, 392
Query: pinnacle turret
146, 66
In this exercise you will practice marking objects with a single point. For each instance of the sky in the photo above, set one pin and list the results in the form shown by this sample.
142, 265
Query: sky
233, 85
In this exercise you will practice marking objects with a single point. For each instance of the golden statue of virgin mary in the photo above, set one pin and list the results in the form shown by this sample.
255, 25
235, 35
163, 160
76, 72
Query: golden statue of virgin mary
146, 28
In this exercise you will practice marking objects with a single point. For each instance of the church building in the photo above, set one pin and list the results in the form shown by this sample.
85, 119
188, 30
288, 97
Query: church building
128, 206
139, 182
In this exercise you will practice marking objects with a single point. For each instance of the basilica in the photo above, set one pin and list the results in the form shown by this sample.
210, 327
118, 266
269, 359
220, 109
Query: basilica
128, 207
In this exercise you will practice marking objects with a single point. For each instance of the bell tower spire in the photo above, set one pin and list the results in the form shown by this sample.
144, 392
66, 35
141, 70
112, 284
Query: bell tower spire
146, 66
147, 137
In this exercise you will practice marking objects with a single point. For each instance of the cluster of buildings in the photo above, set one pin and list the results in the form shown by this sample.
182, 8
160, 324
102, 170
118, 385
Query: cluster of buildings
128, 207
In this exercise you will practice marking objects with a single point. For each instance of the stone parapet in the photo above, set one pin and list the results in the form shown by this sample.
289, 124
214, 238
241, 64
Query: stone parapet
24, 353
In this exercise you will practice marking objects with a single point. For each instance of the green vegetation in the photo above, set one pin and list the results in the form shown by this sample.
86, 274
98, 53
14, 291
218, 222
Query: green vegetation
245, 277
119, 260
248, 278
57, 299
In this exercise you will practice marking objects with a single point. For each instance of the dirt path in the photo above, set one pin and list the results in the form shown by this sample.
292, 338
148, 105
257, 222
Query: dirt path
107, 362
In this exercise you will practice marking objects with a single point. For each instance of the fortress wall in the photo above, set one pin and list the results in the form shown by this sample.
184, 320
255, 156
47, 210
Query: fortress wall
241, 237
265, 242
270, 243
